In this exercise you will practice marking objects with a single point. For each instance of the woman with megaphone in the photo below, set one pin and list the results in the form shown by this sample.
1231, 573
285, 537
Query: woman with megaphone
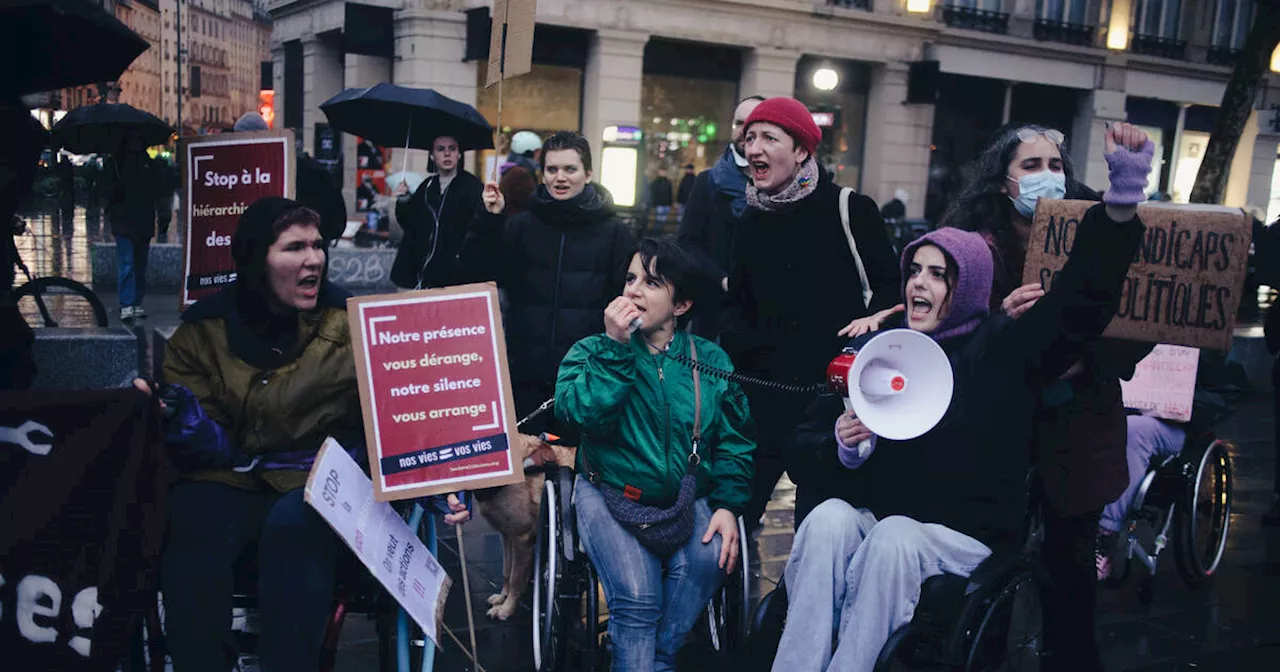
664, 464
942, 502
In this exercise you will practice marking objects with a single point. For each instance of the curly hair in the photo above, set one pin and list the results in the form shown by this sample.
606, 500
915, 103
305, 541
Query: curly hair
983, 205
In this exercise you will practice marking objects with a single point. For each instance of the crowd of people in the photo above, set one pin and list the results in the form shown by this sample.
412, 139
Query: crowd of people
775, 270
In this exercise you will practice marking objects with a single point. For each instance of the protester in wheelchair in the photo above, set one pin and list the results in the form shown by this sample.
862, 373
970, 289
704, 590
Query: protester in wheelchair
942, 502
664, 464
1148, 438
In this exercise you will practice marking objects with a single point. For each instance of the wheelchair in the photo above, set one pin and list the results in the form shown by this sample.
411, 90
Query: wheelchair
1186, 496
402, 647
568, 633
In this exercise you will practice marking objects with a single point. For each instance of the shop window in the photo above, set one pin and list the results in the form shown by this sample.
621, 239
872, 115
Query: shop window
546, 100
685, 122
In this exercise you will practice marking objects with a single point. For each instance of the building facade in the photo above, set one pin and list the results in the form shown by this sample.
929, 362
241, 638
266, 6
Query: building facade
140, 85
905, 98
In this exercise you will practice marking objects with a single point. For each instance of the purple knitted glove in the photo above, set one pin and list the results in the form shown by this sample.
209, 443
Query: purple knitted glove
852, 457
1128, 174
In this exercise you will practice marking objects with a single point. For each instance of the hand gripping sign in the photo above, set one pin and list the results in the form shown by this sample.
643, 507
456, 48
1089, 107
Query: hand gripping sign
436, 396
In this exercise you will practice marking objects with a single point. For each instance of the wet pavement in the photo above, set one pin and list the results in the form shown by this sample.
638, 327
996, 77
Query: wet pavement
1231, 624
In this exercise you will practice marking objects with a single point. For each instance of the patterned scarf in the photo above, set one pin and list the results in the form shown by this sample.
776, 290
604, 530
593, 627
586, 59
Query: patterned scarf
805, 182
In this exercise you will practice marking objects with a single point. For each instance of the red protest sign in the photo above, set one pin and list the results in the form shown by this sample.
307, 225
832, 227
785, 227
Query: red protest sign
436, 396
222, 175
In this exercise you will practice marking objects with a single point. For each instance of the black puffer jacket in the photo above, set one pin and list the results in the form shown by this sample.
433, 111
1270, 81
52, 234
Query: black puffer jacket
560, 264
434, 227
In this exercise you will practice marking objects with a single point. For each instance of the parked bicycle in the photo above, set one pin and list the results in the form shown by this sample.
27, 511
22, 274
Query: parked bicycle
53, 301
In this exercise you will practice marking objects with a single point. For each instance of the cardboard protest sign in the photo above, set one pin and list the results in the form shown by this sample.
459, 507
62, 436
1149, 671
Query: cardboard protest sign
511, 39
1164, 383
438, 411
222, 175
1186, 279
340, 492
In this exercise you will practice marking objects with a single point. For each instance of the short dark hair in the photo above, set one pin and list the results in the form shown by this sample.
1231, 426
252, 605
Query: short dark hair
758, 98
561, 140
666, 260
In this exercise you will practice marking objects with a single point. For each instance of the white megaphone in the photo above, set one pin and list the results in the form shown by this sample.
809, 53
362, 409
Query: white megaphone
899, 383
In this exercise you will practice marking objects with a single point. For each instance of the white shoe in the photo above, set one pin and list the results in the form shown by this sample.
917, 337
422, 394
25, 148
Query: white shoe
127, 313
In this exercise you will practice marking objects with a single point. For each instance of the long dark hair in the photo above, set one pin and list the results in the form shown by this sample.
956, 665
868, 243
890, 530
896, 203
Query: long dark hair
984, 206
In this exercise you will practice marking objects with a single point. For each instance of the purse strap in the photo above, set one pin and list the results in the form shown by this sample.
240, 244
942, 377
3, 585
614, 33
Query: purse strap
694, 460
853, 246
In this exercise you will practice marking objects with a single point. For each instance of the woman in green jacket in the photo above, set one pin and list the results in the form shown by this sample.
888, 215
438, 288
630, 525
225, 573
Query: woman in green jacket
646, 423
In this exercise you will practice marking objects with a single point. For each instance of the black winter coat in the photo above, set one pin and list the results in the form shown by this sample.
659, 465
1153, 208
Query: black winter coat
708, 228
559, 264
794, 284
317, 190
434, 227
132, 186
970, 471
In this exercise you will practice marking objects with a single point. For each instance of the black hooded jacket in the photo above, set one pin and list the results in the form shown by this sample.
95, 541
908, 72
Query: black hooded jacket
435, 225
559, 264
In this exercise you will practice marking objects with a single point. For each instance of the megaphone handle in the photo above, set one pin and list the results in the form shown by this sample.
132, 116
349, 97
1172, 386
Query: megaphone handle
848, 403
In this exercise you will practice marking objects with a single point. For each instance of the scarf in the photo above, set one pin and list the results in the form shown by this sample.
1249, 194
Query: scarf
729, 180
805, 182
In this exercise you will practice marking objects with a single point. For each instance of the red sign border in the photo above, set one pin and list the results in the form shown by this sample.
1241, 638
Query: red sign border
355, 318
187, 144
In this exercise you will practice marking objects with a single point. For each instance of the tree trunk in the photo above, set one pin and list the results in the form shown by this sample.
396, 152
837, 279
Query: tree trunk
1237, 103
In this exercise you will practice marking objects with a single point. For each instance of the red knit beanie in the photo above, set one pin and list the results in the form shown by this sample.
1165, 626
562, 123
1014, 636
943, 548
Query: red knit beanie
792, 116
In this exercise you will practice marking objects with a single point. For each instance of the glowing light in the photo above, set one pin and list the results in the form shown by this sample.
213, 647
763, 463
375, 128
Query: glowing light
1118, 28
825, 79
918, 6
1275, 60
618, 174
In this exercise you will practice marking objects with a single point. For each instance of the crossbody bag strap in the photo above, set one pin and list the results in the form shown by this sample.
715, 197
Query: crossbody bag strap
697, 404
853, 246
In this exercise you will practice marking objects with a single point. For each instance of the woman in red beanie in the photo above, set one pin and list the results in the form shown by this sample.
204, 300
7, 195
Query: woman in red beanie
782, 321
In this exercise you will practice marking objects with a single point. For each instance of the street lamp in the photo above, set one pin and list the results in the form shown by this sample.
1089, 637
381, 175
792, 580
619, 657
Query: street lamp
825, 79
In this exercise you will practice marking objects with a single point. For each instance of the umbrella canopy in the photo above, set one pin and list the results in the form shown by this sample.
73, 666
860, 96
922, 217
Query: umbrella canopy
51, 44
103, 128
398, 116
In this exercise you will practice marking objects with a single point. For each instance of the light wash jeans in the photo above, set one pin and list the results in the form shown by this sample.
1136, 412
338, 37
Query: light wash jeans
652, 604
858, 579
1148, 438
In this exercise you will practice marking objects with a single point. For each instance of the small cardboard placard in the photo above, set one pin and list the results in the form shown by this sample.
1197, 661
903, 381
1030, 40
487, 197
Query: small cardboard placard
1186, 279
222, 175
1164, 383
340, 492
511, 39
436, 395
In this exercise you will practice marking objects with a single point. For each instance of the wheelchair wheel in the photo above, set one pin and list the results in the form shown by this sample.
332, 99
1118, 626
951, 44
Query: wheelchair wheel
1009, 636
727, 613
766, 629
548, 626
1205, 516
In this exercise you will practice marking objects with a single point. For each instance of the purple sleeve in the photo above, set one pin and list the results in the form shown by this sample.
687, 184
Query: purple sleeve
849, 456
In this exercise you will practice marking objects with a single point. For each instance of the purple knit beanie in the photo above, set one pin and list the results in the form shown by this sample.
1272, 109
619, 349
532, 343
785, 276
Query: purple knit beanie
970, 298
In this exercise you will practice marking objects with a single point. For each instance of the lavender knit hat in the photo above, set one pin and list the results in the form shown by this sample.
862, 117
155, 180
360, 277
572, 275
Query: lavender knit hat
970, 298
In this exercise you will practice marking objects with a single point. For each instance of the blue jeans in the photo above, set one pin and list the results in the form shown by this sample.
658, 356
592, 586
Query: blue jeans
652, 604
210, 525
131, 269
859, 579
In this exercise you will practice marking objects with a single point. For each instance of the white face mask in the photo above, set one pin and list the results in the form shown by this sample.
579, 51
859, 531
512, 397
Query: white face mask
1033, 187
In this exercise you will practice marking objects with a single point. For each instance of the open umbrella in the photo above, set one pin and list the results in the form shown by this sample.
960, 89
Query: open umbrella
398, 116
102, 129
52, 44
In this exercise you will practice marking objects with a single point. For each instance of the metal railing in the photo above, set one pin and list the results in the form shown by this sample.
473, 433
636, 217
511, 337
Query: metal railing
976, 19
1151, 45
1223, 56
1067, 33
851, 4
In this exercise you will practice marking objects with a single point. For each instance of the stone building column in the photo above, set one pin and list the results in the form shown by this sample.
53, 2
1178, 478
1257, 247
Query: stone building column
430, 45
898, 137
768, 72
362, 71
1263, 164
611, 85
322, 71
1086, 136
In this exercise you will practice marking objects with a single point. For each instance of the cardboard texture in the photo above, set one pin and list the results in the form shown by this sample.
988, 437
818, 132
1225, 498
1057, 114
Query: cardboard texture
511, 40
341, 493
1185, 282
222, 175
435, 391
1164, 383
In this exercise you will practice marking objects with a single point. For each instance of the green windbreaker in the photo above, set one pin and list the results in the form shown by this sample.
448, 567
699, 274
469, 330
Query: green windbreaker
635, 410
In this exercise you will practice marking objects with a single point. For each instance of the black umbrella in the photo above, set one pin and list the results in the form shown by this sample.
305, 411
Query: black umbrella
52, 44
398, 116
103, 128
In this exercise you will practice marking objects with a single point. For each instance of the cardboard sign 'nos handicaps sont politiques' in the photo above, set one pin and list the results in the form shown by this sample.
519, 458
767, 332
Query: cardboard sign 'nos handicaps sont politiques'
1185, 283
